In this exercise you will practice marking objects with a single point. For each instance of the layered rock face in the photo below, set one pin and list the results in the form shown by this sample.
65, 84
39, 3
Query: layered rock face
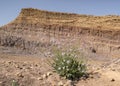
33, 28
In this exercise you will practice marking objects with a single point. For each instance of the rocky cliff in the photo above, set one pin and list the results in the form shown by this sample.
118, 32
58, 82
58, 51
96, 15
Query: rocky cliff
33, 29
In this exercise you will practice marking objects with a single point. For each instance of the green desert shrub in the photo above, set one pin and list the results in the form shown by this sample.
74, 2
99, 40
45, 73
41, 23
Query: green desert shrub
67, 65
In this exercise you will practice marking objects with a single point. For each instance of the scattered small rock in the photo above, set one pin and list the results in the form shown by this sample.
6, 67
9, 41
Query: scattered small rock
40, 78
49, 73
20, 75
112, 80
20, 68
16, 66
44, 76
60, 83
113, 69
9, 62
91, 76
36, 65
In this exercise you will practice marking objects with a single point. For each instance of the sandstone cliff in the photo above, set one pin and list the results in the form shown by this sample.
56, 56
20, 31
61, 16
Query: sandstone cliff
92, 34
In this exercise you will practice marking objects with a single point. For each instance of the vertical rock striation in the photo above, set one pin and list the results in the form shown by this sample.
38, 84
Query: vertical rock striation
94, 34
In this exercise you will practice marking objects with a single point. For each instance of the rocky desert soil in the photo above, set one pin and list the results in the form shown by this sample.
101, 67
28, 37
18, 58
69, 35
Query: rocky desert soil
35, 71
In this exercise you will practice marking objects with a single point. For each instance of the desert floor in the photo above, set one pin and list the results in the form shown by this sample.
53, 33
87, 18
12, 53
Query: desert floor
35, 71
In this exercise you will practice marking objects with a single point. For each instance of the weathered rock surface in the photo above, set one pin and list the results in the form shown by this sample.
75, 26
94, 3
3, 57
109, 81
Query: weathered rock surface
33, 28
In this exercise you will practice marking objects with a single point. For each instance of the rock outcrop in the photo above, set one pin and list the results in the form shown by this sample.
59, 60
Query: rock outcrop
93, 34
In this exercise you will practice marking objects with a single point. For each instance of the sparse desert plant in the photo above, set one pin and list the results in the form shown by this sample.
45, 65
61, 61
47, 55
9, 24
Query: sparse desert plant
67, 65
14, 83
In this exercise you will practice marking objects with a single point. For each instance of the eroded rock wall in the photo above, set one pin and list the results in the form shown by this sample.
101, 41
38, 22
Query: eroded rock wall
59, 28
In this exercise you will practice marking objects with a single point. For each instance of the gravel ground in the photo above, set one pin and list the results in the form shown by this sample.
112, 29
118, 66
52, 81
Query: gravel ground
32, 71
